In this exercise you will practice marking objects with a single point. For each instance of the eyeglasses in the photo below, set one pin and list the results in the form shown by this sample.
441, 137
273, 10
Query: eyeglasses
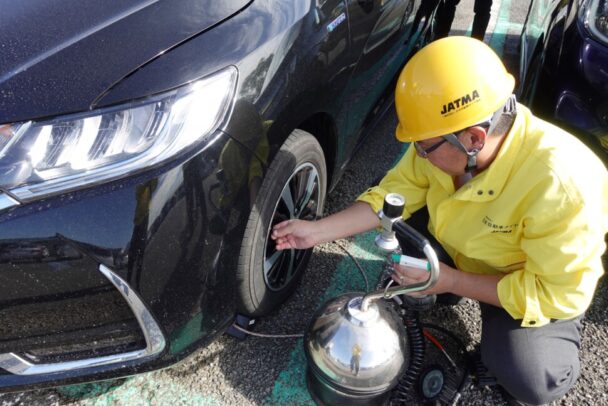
449, 138
424, 152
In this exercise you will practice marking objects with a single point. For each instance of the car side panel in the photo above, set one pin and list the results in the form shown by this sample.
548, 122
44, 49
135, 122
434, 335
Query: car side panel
381, 56
541, 44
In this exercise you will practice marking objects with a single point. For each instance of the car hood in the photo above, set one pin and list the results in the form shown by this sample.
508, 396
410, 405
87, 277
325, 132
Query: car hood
59, 56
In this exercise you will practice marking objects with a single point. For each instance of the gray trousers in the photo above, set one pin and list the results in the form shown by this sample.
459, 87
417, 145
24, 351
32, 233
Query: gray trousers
536, 365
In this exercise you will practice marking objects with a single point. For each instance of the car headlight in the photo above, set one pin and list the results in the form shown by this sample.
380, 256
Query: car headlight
68, 152
595, 18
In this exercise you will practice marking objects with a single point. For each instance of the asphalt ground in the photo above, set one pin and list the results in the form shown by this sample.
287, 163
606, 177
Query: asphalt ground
270, 371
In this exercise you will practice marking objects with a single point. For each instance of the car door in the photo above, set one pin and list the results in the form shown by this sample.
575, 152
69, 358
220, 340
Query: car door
378, 30
545, 20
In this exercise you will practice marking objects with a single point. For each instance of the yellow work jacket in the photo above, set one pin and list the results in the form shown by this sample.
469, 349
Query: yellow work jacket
538, 214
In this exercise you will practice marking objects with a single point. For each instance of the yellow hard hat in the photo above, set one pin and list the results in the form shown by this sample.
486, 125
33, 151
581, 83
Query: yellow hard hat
449, 85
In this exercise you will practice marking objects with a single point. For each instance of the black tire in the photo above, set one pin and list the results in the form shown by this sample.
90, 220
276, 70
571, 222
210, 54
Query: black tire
267, 277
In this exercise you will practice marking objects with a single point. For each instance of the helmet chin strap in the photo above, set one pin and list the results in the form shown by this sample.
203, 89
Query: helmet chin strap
471, 160
504, 115
471, 155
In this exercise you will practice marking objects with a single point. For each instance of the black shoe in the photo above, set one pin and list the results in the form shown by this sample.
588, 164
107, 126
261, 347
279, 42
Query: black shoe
481, 376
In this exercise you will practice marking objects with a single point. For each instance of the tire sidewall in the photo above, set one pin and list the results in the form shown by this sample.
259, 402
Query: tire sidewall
256, 298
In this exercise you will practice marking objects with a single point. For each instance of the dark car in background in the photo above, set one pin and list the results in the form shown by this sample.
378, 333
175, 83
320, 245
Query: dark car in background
564, 66
147, 148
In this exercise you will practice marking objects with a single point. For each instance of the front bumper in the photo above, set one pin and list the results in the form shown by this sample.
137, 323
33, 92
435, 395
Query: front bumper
123, 277
29, 364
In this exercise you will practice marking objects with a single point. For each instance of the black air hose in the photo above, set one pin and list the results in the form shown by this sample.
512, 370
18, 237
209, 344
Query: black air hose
415, 335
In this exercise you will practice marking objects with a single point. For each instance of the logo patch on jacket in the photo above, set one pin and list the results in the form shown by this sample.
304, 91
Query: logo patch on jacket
499, 228
460, 103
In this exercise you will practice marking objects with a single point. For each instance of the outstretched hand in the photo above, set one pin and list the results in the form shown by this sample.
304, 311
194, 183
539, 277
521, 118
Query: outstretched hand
302, 234
294, 234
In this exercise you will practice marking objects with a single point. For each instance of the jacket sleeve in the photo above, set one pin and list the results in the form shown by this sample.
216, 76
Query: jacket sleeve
563, 239
409, 178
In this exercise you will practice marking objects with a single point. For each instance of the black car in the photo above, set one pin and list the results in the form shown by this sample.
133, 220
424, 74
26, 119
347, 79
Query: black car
564, 66
147, 148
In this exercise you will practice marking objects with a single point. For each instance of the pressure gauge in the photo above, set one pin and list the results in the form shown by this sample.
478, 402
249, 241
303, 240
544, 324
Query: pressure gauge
393, 205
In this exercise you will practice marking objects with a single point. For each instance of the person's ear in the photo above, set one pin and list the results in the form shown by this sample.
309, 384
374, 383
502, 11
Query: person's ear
477, 137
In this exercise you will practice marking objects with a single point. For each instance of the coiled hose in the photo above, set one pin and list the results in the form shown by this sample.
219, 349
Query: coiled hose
400, 393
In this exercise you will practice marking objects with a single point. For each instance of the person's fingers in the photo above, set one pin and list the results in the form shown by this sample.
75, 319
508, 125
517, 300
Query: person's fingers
399, 271
406, 279
399, 279
282, 229
411, 272
282, 224
400, 276
397, 275
403, 280
282, 246
404, 275
281, 243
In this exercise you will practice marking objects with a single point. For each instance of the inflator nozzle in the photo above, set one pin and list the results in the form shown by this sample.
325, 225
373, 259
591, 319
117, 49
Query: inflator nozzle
391, 212
393, 225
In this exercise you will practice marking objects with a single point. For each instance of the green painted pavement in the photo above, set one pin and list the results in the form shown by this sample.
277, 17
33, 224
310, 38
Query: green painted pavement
499, 35
141, 390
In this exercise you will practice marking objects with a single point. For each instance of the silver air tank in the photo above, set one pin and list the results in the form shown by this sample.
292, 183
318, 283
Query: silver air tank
356, 345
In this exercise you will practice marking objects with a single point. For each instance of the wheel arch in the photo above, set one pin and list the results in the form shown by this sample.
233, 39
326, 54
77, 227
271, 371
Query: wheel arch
322, 126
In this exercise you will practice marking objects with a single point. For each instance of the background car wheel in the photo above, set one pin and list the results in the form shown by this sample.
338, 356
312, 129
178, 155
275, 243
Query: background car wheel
294, 187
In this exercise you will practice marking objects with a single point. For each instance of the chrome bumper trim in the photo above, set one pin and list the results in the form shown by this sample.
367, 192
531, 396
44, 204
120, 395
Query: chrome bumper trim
155, 340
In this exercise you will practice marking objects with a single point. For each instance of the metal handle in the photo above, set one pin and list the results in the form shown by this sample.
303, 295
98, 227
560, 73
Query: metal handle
406, 231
